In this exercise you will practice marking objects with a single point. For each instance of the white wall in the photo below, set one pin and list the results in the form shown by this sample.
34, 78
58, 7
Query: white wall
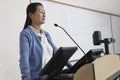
12, 18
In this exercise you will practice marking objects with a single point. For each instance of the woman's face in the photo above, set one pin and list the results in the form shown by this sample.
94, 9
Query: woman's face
38, 17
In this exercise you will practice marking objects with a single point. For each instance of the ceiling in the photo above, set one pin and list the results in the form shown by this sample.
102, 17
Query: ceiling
105, 6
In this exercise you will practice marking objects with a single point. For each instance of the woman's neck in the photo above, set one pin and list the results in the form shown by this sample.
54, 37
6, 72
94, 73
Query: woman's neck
38, 27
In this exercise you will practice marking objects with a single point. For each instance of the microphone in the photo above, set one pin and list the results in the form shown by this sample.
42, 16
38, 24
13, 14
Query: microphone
56, 25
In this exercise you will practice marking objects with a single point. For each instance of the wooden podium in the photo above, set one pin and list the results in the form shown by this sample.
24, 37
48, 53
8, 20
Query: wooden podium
104, 68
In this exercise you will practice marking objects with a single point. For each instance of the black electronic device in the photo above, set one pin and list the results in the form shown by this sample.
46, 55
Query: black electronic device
97, 41
91, 56
97, 38
58, 61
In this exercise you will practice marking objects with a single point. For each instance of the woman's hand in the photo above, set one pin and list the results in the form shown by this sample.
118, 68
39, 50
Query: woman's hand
27, 79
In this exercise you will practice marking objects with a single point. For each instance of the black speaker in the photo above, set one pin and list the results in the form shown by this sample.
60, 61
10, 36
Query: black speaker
97, 38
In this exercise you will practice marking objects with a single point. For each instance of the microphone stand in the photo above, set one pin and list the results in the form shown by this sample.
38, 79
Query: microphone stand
56, 25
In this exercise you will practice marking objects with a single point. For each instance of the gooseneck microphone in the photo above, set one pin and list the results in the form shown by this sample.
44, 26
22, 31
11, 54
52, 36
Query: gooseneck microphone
56, 25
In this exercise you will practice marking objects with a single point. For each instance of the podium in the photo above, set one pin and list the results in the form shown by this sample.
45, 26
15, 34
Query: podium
104, 68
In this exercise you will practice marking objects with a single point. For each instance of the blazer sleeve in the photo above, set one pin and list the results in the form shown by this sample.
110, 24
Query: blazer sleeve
24, 55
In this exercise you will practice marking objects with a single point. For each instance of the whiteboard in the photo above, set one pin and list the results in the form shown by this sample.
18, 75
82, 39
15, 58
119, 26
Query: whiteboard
116, 33
79, 23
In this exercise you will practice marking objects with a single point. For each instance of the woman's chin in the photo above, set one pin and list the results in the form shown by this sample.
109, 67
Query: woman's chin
42, 22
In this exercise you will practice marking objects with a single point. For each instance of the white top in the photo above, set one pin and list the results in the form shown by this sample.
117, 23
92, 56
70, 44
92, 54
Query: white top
47, 48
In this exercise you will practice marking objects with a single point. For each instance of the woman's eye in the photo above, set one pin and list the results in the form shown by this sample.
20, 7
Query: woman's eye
42, 11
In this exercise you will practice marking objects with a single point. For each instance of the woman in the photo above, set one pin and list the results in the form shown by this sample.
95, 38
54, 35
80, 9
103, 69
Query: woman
36, 46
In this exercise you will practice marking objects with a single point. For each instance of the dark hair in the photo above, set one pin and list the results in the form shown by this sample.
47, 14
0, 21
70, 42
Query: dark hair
31, 8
